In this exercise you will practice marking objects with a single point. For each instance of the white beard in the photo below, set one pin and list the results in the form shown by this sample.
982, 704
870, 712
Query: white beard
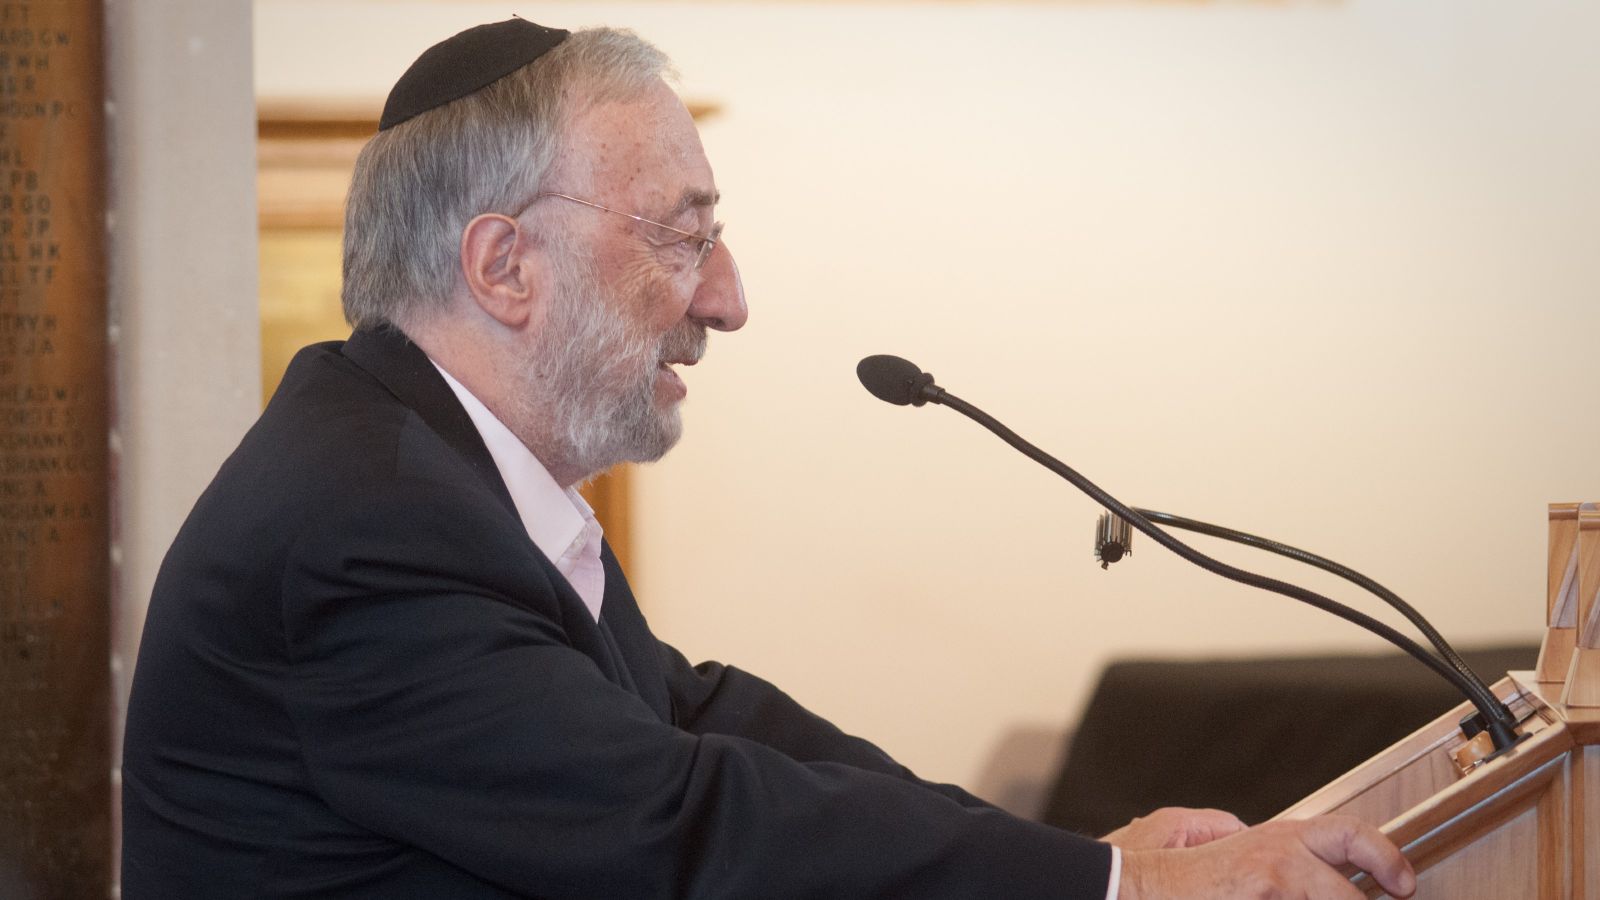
589, 380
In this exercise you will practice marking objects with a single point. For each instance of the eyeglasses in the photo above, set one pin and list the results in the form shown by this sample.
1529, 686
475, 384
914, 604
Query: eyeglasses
708, 241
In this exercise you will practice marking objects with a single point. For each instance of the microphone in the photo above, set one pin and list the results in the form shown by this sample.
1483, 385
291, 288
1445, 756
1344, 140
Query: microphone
1113, 539
901, 382
898, 381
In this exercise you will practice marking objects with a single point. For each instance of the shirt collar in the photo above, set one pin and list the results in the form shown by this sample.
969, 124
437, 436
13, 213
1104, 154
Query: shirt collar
554, 517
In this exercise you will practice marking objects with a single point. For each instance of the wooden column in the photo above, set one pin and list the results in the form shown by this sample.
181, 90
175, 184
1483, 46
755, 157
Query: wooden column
55, 789
1583, 676
1561, 595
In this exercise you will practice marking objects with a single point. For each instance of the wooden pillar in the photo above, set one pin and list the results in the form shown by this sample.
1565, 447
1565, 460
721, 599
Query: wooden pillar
1583, 676
1561, 593
55, 835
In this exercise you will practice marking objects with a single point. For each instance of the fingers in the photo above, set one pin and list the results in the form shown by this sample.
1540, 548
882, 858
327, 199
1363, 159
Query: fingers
1339, 839
1278, 859
1173, 826
1202, 826
1324, 883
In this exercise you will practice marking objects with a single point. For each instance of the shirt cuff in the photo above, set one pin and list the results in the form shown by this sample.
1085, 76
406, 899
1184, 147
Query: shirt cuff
1115, 883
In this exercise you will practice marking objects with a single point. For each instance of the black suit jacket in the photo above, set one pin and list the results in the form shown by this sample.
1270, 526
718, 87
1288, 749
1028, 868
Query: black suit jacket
360, 678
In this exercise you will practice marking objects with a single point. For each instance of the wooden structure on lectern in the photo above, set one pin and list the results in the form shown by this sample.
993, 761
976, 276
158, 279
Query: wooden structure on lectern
1524, 825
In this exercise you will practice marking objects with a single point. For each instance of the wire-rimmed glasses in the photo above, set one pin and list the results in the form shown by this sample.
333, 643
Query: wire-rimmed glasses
708, 241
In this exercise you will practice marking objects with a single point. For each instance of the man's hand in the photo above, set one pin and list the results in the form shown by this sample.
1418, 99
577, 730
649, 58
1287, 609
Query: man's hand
1289, 860
1174, 826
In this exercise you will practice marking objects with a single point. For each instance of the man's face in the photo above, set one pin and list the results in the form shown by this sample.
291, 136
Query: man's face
605, 371
628, 301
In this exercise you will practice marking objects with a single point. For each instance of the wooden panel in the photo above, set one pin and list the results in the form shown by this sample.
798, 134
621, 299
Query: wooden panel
55, 675
609, 497
1589, 576
1586, 824
1415, 769
1554, 846
1583, 674
1517, 827
299, 296
1498, 866
1583, 723
1521, 825
1508, 841
1561, 569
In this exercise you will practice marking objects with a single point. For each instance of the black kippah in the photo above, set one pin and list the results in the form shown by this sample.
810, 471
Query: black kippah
473, 59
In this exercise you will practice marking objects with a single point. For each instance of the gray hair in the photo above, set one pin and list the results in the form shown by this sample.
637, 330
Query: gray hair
418, 184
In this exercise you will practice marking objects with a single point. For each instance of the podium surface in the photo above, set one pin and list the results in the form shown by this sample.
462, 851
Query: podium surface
1524, 825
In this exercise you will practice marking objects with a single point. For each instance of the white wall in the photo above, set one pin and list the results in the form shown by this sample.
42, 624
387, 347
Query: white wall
181, 222
1326, 271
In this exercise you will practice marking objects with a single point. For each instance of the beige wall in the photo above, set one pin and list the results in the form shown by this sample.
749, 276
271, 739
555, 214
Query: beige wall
182, 283
1326, 271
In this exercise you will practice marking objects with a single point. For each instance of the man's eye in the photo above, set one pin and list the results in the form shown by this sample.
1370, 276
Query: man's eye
681, 243
663, 237
679, 255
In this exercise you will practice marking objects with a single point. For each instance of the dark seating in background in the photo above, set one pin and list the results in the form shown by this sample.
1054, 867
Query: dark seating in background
1250, 736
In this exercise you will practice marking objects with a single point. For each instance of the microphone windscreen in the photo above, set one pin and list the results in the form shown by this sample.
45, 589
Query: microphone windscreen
889, 378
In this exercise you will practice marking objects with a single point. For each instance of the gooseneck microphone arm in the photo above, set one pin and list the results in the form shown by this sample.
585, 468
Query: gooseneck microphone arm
901, 382
1327, 565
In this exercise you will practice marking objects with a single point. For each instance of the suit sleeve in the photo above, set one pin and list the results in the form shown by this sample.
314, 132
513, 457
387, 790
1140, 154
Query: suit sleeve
712, 698
437, 703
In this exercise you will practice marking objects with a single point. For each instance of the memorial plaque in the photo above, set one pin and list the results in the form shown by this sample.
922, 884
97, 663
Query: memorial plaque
55, 830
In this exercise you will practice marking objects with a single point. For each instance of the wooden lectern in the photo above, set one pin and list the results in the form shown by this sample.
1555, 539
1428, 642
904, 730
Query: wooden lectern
1524, 825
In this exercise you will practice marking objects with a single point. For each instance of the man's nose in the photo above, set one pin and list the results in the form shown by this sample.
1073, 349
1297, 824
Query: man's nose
719, 300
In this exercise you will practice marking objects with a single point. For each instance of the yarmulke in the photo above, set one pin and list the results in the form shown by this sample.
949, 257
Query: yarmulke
473, 59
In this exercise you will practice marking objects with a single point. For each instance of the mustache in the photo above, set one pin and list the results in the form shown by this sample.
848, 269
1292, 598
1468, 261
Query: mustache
685, 343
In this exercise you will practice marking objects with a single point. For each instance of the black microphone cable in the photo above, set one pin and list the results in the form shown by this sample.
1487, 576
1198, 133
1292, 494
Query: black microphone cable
1447, 652
902, 382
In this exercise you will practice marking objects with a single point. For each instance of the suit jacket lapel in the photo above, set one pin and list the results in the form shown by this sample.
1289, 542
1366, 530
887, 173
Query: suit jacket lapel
639, 650
401, 366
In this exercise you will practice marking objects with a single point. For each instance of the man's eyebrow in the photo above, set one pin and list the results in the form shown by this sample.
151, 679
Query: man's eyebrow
693, 198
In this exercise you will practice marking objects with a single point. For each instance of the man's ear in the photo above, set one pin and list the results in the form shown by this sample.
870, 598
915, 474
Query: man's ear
503, 271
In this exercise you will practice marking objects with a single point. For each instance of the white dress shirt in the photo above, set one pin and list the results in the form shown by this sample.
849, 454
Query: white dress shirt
557, 519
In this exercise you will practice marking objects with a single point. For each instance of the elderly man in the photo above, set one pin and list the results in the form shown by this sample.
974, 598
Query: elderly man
390, 655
